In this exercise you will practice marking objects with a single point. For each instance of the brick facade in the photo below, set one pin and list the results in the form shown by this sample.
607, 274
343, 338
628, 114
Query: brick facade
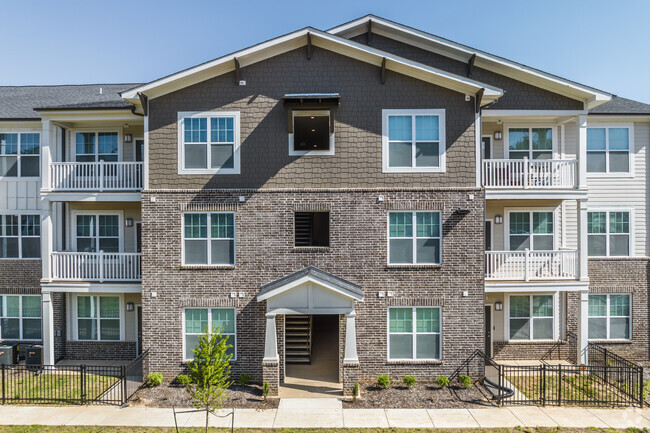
100, 350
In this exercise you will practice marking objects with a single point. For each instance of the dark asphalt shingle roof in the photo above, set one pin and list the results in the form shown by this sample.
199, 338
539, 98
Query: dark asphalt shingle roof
621, 106
19, 102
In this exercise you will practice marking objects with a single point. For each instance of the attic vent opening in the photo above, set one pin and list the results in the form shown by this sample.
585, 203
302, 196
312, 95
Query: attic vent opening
312, 229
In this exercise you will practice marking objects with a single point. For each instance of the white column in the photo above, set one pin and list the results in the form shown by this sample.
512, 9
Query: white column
46, 152
271, 341
583, 327
351, 356
47, 241
582, 151
48, 329
583, 259
145, 154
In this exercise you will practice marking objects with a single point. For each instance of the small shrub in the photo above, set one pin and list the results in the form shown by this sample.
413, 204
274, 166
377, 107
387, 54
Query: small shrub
266, 388
183, 379
465, 380
383, 381
155, 379
355, 391
409, 381
244, 379
443, 381
646, 385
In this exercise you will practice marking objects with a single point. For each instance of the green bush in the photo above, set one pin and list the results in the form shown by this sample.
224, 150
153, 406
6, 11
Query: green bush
355, 391
443, 381
266, 388
183, 379
409, 381
383, 381
155, 379
244, 379
646, 385
465, 380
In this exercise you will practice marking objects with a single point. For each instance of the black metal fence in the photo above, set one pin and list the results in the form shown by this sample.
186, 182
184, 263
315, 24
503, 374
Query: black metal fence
78, 384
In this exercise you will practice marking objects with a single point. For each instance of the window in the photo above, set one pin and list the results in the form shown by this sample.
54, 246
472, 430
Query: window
420, 342
96, 146
20, 236
413, 140
531, 143
527, 326
312, 229
609, 317
20, 317
414, 237
20, 154
608, 233
312, 133
97, 233
200, 320
98, 318
208, 142
608, 150
215, 246
531, 230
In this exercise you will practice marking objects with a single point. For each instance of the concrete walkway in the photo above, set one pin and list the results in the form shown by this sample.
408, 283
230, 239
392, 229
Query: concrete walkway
329, 413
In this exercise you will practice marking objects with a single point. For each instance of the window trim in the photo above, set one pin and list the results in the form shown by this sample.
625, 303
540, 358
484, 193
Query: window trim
607, 173
73, 333
631, 243
208, 239
97, 213
609, 316
506, 224
305, 113
413, 238
442, 140
73, 142
556, 318
184, 334
19, 214
506, 138
20, 317
18, 154
182, 115
414, 333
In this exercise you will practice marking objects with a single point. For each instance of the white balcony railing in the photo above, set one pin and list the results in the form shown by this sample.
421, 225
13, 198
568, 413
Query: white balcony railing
531, 265
101, 266
96, 176
527, 173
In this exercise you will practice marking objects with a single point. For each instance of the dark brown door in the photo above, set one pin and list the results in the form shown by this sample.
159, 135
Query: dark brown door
488, 330
486, 144
138, 237
488, 235
139, 313
139, 150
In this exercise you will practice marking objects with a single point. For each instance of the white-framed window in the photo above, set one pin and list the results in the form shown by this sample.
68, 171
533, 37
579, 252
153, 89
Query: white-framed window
531, 317
414, 333
535, 142
20, 236
414, 238
20, 154
94, 146
531, 230
413, 141
20, 317
99, 231
208, 142
209, 238
610, 316
610, 149
609, 233
312, 133
98, 318
197, 321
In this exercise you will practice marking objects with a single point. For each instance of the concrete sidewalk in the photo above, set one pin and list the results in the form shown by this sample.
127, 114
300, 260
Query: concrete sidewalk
329, 413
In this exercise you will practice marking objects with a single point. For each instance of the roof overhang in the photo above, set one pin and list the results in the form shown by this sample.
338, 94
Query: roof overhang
320, 39
69, 115
426, 41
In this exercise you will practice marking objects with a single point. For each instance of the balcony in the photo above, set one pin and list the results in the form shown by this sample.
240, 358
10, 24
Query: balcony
96, 176
542, 174
531, 265
101, 266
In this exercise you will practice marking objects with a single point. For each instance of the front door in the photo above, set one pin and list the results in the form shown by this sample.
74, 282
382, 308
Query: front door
138, 312
139, 150
488, 330
488, 235
486, 146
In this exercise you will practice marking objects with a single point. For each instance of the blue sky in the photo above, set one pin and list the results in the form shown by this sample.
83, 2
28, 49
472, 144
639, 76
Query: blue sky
602, 43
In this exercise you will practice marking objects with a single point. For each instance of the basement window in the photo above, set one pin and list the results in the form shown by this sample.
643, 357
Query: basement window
312, 229
311, 133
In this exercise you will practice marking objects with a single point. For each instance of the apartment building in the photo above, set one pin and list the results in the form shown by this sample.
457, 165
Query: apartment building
341, 204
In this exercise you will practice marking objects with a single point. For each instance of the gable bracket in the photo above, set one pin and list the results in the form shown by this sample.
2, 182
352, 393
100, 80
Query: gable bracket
478, 98
143, 100
237, 71
470, 65
369, 33
383, 71
309, 46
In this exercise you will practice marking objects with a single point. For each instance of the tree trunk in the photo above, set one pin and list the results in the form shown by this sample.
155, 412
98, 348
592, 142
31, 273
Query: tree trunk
207, 414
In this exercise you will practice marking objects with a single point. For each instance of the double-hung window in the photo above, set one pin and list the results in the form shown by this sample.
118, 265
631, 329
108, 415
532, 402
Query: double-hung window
208, 142
608, 150
531, 143
20, 317
96, 146
98, 233
414, 333
98, 318
20, 154
20, 236
609, 317
198, 321
608, 233
531, 317
414, 238
209, 238
530, 230
413, 141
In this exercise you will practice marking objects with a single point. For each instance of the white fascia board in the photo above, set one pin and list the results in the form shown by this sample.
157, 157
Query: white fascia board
91, 288
89, 196
524, 287
488, 113
533, 194
89, 115
308, 279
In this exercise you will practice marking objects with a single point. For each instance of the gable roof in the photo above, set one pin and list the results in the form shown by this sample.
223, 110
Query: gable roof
463, 53
22, 102
622, 106
317, 38
347, 288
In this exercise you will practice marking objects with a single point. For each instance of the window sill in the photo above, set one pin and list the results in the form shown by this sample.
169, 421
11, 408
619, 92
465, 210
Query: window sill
311, 249
206, 267
203, 171
414, 170
610, 175
414, 266
414, 362
611, 341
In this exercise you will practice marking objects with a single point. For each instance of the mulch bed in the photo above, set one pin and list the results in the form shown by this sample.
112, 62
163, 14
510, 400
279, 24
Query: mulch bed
421, 395
171, 394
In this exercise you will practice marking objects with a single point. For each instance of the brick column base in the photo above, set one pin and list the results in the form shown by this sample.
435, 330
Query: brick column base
271, 374
350, 377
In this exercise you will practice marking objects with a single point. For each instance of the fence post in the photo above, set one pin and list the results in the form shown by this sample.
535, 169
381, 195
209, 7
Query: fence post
125, 396
500, 385
606, 367
559, 385
543, 384
640, 376
3, 384
82, 368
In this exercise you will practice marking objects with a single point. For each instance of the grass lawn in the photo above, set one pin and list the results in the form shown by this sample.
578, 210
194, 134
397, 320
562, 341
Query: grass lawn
44, 429
60, 385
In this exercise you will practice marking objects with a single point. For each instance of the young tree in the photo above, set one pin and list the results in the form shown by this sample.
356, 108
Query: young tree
210, 373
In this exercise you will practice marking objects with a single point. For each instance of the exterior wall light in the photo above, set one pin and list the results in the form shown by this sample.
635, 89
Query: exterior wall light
498, 306
128, 222
498, 219
130, 306
498, 135
128, 138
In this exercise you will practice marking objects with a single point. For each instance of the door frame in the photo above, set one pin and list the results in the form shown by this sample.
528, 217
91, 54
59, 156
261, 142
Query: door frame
138, 349
491, 306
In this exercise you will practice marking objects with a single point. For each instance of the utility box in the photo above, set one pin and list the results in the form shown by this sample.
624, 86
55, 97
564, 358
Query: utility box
34, 355
9, 354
